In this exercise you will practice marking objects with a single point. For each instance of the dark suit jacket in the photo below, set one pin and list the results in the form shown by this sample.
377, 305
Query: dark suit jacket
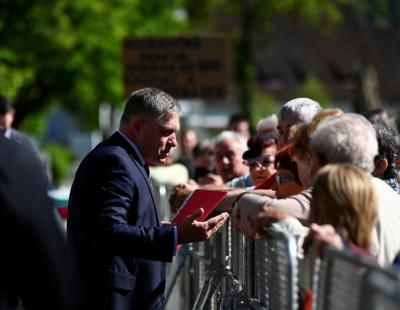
33, 259
114, 226
27, 142
24, 140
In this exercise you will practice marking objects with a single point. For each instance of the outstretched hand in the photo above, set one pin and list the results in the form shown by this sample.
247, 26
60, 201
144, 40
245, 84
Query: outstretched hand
190, 230
320, 236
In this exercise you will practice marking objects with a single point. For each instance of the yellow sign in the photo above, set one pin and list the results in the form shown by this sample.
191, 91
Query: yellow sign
185, 67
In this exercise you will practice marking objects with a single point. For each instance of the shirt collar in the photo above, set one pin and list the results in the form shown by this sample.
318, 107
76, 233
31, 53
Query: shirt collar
7, 133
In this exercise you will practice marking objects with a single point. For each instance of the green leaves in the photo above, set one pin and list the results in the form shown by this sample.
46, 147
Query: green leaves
71, 51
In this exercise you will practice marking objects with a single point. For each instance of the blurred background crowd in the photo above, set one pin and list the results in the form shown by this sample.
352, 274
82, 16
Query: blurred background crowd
61, 63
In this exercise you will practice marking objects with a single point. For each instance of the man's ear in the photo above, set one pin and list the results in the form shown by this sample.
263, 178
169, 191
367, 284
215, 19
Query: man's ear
382, 164
380, 167
136, 125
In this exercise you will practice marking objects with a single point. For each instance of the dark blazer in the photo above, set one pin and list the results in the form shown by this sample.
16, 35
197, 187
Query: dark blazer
27, 142
33, 259
24, 140
113, 224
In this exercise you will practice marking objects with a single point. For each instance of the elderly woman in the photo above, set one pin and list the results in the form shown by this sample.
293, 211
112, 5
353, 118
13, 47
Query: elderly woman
260, 159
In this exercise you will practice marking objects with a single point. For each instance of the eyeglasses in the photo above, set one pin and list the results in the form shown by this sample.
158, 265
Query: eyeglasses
282, 178
261, 161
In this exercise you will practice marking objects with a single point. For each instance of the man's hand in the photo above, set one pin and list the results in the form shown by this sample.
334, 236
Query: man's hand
254, 221
180, 193
190, 230
190, 185
226, 204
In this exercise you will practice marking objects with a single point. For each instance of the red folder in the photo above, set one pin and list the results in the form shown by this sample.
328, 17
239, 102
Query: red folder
200, 198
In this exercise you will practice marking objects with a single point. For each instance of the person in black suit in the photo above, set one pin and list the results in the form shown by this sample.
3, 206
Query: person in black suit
33, 259
113, 222
7, 113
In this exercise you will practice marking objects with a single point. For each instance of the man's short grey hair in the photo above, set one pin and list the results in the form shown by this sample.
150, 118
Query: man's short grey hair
302, 108
348, 138
151, 102
231, 135
268, 123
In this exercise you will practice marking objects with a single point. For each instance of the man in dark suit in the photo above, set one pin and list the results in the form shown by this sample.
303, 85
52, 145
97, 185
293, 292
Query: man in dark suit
33, 260
113, 222
7, 114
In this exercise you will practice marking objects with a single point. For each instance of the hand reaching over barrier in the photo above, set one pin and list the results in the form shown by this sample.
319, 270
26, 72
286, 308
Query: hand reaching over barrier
320, 236
252, 219
180, 193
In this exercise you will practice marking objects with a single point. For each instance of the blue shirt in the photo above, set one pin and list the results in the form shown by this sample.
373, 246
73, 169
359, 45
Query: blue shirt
242, 181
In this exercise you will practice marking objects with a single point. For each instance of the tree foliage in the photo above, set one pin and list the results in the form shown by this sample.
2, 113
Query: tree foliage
314, 88
69, 51
381, 13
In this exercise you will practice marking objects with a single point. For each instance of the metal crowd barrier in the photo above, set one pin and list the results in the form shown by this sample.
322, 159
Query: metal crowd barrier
341, 280
277, 271
381, 292
232, 272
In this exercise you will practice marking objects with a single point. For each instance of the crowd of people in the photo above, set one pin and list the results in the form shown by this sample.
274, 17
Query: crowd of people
322, 175
328, 178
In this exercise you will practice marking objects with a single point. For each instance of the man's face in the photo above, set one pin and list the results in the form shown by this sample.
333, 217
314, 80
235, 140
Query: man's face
228, 160
7, 119
156, 138
188, 140
284, 126
243, 128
